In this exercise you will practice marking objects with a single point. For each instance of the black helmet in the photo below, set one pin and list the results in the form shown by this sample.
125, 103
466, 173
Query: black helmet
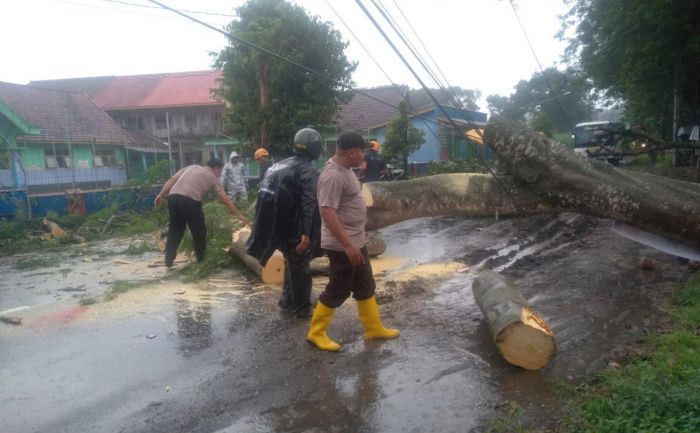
308, 141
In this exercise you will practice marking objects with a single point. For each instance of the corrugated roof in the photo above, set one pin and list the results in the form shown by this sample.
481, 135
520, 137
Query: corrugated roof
179, 89
61, 115
363, 112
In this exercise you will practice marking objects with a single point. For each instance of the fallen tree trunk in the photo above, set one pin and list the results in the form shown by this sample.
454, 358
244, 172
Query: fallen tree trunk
559, 177
521, 335
271, 273
464, 194
544, 176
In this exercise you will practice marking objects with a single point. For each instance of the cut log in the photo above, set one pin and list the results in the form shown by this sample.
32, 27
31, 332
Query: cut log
521, 335
559, 177
55, 229
271, 273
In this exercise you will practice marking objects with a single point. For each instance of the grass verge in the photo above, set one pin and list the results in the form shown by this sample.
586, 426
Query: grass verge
658, 392
122, 286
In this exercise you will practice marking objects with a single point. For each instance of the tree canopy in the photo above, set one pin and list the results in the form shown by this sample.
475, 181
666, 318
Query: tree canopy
568, 102
644, 53
269, 99
402, 138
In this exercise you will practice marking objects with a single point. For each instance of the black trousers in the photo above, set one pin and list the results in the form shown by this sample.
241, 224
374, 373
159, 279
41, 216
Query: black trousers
296, 291
185, 211
345, 279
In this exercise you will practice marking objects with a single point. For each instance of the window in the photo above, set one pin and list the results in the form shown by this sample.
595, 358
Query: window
190, 121
58, 158
161, 122
105, 158
134, 122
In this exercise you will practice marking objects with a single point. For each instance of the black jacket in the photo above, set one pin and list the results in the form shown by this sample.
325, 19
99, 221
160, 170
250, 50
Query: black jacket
286, 208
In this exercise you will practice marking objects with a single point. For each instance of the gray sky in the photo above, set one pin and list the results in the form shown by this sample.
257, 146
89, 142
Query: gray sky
476, 43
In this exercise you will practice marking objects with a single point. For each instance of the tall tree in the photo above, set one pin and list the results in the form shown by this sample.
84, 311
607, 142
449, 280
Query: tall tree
402, 138
269, 99
645, 53
569, 101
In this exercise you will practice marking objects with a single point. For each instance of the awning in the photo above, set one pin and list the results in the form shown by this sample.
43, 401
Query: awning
221, 142
476, 135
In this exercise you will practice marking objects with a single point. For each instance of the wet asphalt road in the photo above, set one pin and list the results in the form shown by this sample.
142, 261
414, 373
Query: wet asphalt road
218, 356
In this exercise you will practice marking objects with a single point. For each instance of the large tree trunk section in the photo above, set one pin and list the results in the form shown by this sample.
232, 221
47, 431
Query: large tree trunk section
271, 273
552, 171
375, 247
521, 335
465, 194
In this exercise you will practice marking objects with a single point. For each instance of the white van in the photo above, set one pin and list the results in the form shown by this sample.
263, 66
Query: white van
591, 138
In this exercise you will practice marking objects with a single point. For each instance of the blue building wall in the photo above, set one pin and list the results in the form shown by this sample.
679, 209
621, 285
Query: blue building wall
430, 150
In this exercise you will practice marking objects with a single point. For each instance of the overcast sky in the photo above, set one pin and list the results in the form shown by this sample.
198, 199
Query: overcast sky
477, 44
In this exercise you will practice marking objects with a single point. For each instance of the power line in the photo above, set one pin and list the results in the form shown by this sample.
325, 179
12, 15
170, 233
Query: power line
396, 86
539, 65
275, 55
427, 90
156, 7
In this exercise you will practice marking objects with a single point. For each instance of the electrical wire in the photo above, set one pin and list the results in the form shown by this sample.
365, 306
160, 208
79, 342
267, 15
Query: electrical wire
539, 65
440, 107
183, 10
395, 86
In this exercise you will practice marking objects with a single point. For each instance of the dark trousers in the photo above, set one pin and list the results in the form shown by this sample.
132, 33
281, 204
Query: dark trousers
296, 290
185, 211
345, 279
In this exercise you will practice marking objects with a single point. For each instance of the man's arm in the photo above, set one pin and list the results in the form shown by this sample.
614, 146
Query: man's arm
232, 207
333, 224
166, 187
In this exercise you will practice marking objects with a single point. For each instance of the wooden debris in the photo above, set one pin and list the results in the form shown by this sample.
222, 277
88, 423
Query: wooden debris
55, 229
521, 335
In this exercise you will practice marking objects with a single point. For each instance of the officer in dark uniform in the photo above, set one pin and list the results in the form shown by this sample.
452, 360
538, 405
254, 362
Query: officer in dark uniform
287, 218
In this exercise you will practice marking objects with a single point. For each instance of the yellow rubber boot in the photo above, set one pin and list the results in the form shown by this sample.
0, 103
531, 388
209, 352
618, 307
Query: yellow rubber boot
319, 324
369, 316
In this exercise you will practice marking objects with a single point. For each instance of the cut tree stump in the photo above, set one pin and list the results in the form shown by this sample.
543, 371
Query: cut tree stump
271, 273
521, 335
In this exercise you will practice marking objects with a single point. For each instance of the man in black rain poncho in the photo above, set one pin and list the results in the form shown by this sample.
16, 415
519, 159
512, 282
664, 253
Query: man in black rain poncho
287, 218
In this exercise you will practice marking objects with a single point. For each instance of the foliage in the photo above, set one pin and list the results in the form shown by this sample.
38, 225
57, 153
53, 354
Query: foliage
158, 172
568, 102
402, 137
220, 224
563, 138
642, 53
654, 393
296, 97
542, 123
122, 286
455, 96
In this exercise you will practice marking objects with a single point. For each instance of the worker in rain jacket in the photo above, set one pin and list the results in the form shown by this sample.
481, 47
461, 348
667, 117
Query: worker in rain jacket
233, 178
287, 218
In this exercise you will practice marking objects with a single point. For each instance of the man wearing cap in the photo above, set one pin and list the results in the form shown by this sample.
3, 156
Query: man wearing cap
287, 218
233, 178
373, 167
343, 236
262, 156
185, 191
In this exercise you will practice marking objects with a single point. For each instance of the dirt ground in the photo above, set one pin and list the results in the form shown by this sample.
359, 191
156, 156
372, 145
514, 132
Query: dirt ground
218, 356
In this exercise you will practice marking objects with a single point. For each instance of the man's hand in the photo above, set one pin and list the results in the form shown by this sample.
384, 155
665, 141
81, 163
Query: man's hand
158, 200
354, 255
303, 244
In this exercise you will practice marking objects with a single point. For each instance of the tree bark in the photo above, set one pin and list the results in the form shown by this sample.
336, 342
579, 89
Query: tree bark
521, 335
559, 177
465, 194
